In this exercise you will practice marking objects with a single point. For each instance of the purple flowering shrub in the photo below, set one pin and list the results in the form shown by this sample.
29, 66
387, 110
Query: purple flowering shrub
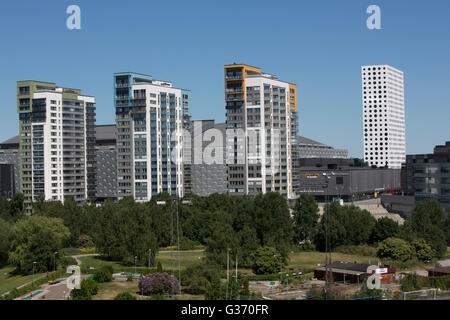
159, 283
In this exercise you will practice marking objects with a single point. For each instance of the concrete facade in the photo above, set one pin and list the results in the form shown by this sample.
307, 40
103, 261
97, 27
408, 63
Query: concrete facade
208, 178
383, 116
348, 179
428, 176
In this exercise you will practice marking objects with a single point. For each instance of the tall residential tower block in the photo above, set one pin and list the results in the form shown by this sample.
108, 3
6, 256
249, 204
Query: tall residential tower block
261, 113
57, 143
150, 117
383, 115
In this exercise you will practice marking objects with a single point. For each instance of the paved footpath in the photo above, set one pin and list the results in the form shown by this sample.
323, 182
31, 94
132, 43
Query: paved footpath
57, 291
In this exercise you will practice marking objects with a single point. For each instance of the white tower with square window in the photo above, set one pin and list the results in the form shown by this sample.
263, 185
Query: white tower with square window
383, 116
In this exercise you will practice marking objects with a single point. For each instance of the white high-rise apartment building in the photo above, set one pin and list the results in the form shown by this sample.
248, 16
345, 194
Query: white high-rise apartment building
57, 143
383, 115
264, 109
150, 117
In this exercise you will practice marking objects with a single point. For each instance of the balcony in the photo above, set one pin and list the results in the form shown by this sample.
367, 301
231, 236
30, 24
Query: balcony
233, 90
234, 77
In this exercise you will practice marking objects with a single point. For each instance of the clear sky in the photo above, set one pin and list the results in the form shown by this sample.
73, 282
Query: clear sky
318, 44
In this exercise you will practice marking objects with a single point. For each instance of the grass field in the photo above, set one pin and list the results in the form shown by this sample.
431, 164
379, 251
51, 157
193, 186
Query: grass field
302, 260
109, 290
8, 282
310, 260
186, 258
165, 257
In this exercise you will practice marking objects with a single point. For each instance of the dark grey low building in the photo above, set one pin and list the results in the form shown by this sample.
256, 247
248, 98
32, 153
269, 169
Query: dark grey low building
428, 176
307, 148
11, 156
207, 178
401, 204
348, 179
7, 180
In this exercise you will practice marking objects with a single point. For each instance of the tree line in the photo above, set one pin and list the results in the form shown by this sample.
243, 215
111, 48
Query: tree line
237, 225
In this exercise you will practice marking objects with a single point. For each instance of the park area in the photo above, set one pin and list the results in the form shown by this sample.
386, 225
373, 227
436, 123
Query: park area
168, 259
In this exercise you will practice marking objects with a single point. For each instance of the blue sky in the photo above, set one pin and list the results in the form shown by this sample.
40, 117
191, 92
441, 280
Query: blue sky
318, 44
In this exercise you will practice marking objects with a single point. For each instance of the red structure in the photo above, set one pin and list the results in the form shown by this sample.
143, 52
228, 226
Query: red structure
386, 274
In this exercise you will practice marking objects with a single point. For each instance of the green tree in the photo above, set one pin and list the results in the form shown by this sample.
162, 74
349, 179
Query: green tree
16, 207
427, 221
447, 229
35, 240
395, 249
5, 241
249, 242
306, 218
330, 228
411, 282
384, 228
199, 276
216, 290
266, 260
273, 222
423, 250
358, 224
222, 239
127, 231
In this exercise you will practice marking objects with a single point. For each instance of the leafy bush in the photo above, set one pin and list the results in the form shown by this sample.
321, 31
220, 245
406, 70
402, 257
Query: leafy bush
265, 260
197, 276
159, 267
395, 249
90, 250
108, 268
88, 289
125, 296
442, 282
264, 277
67, 261
411, 282
84, 241
159, 283
423, 250
307, 246
187, 244
102, 276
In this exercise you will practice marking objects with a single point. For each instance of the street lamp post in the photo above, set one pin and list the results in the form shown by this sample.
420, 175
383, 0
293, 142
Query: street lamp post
34, 263
135, 257
54, 260
228, 271
149, 255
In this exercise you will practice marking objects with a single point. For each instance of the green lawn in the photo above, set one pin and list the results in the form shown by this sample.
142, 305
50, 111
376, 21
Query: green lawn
302, 260
109, 290
166, 258
186, 259
310, 260
8, 282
